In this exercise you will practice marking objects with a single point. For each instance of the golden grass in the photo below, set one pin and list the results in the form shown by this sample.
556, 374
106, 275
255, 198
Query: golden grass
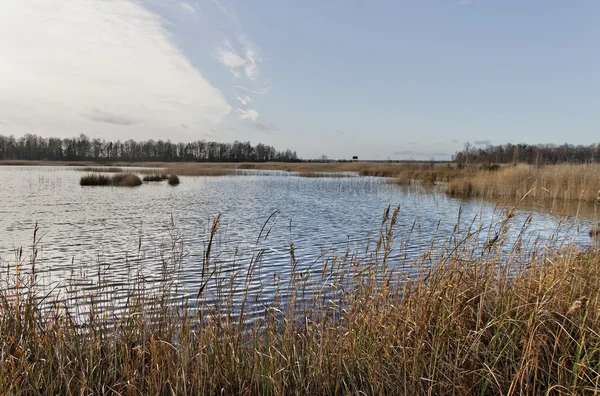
552, 182
95, 169
155, 177
324, 174
462, 324
116, 180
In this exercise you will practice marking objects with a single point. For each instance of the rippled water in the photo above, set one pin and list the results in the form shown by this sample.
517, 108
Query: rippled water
106, 235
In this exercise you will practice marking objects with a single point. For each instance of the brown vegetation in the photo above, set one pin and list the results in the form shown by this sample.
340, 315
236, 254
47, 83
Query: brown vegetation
552, 182
156, 177
173, 180
458, 324
107, 169
117, 180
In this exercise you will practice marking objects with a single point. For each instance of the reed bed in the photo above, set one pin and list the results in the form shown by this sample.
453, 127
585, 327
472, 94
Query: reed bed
553, 182
97, 169
155, 177
367, 168
325, 174
468, 321
116, 180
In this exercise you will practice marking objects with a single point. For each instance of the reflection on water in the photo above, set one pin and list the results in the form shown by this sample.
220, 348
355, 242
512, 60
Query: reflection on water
107, 236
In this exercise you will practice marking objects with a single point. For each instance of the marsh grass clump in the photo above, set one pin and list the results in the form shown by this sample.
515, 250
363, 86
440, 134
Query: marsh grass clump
126, 180
567, 182
94, 179
154, 178
117, 180
173, 180
460, 321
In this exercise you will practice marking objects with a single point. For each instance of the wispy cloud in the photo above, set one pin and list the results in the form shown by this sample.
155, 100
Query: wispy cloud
232, 60
227, 55
187, 7
228, 10
243, 99
265, 127
100, 115
482, 142
96, 75
250, 118
242, 58
253, 58
250, 114
262, 91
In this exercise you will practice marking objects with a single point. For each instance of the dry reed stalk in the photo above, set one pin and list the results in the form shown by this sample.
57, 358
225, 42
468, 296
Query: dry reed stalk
461, 321
549, 183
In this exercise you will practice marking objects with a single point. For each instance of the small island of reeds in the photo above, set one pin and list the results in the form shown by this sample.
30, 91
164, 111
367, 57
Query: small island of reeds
117, 180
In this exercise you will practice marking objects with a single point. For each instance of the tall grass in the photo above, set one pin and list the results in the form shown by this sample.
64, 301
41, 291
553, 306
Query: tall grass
155, 177
117, 180
108, 169
553, 182
468, 321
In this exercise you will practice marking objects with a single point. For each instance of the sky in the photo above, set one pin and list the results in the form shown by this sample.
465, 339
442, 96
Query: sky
404, 79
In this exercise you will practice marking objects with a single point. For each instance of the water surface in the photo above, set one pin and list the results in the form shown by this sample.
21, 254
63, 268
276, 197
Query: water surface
94, 235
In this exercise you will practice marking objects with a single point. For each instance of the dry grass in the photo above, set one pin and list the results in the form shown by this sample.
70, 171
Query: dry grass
553, 182
466, 326
325, 174
117, 180
95, 169
156, 177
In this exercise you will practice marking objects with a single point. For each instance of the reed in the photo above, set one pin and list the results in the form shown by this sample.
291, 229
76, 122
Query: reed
463, 322
126, 180
325, 174
97, 169
155, 177
553, 182
117, 180
94, 179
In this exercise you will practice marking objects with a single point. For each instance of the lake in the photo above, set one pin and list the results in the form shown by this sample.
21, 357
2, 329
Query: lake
107, 237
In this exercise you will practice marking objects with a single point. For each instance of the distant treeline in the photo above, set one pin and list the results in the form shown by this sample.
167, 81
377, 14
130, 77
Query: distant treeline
530, 153
33, 147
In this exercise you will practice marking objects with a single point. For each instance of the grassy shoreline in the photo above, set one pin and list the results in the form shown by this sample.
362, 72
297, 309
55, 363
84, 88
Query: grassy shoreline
550, 183
465, 323
566, 182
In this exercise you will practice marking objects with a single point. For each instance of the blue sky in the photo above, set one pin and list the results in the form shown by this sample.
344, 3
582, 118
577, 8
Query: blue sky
382, 79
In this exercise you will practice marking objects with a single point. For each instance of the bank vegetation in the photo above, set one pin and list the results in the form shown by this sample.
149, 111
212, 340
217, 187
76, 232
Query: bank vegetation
465, 318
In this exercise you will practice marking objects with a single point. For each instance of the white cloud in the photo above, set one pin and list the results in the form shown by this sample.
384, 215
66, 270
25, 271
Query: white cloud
187, 7
262, 91
243, 99
250, 114
227, 10
230, 58
252, 58
107, 68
